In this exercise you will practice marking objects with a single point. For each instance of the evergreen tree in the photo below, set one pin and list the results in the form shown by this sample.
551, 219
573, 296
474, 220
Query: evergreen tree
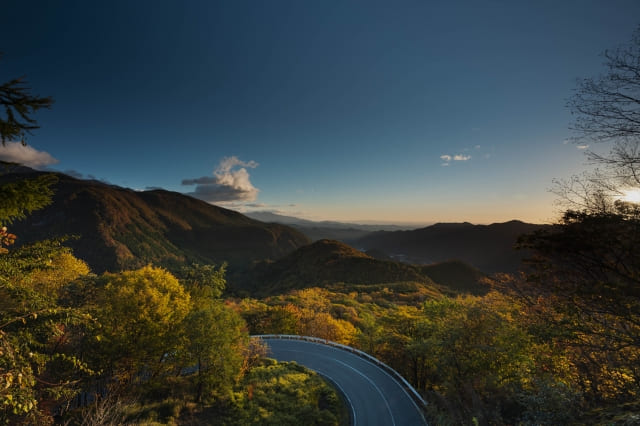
18, 105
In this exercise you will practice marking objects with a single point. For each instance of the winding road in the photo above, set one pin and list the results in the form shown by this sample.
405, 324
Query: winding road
374, 396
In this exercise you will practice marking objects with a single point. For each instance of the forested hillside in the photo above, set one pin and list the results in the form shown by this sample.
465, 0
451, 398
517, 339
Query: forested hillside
118, 228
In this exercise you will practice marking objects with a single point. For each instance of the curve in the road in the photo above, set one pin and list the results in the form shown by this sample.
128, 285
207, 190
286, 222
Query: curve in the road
374, 395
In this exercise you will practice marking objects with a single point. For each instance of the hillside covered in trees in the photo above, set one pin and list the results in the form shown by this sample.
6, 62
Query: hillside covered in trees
119, 228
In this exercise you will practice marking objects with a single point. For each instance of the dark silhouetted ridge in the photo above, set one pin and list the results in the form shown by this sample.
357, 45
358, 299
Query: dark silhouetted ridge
490, 248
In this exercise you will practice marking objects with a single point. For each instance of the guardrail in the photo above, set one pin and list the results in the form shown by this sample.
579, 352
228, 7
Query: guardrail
393, 373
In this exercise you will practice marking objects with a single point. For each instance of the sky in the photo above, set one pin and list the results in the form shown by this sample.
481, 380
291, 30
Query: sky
361, 111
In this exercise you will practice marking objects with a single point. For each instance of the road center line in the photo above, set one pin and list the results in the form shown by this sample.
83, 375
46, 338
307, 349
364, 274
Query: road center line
393, 421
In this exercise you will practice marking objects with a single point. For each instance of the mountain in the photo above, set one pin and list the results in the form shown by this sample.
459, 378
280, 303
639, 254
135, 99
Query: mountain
457, 276
329, 230
489, 248
328, 262
120, 228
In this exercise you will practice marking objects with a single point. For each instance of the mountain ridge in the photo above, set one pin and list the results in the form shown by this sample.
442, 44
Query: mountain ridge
330, 262
490, 248
326, 229
119, 228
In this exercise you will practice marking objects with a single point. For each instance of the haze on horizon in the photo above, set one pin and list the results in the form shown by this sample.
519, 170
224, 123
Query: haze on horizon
403, 112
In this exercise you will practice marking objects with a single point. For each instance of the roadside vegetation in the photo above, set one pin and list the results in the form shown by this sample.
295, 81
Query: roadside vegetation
138, 347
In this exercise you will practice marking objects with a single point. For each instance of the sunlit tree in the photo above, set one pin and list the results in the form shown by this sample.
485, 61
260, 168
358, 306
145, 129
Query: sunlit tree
141, 313
216, 344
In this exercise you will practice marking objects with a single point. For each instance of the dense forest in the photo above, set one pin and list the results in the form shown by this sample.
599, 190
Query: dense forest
557, 343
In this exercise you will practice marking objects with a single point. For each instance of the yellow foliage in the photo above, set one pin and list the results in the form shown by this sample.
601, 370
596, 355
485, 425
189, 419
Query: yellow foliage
141, 312
63, 268
148, 295
324, 326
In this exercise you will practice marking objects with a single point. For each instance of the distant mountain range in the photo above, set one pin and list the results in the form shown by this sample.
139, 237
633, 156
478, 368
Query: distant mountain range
489, 248
331, 230
120, 228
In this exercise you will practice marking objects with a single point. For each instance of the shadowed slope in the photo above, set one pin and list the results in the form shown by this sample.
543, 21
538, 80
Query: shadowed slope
119, 228
489, 248
328, 262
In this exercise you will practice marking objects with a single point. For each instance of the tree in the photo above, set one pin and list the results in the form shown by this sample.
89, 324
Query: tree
22, 196
608, 107
141, 313
585, 282
204, 281
216, 343
40, 367
582, 285
587, 269
19, 105
607, 110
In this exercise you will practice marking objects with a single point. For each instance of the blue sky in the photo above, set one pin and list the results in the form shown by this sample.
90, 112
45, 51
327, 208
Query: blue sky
403, 111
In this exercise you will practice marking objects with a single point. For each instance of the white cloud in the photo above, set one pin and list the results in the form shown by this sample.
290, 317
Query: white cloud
230, 183
582, 146
15, 152
446, 158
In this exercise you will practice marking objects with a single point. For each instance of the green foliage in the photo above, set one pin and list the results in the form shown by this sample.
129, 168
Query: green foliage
475, 354
204, 281
266, 319
285, 394
472, 357
23, 196
39, 365
215, 343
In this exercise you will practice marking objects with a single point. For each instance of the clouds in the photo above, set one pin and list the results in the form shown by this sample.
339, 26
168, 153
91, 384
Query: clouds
461, 157
446, 158
15, 152
230, 183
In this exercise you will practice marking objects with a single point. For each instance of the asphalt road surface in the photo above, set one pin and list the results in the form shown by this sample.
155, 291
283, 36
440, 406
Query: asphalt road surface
374, 396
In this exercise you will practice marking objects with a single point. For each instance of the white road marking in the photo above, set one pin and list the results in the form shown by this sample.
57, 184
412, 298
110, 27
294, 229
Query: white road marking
357, 371
353, 410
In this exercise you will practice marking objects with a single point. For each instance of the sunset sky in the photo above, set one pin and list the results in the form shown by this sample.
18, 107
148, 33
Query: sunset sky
396, 111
